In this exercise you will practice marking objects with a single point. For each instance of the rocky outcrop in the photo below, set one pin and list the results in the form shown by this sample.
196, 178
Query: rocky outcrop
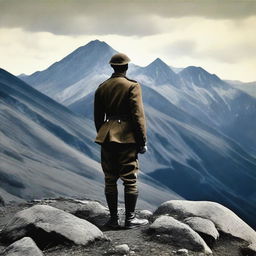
224, 219
179, 233
175, 224
46, 224
25, 246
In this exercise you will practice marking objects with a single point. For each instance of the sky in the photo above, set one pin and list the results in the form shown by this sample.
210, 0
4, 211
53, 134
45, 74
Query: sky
218, 35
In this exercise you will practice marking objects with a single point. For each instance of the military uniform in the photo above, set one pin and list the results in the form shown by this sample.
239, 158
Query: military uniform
121, 131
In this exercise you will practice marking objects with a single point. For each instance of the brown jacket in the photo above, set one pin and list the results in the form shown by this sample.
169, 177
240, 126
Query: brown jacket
118, 111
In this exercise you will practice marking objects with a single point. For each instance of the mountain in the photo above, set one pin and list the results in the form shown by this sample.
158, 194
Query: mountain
157, 73
47, 151
83, 62
249, 88
194, 90
196, 128
200, 77
211, 100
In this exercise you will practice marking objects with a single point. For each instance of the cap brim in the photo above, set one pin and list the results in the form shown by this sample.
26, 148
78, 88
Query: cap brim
119, 64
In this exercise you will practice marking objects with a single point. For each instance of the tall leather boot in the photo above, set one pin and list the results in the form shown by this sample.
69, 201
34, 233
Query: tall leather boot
130, 220
112, 201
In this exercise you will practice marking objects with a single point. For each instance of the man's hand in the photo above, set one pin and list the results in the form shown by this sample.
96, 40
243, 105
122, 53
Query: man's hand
143, 149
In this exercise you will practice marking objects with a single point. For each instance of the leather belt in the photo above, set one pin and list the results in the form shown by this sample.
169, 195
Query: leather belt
119, 118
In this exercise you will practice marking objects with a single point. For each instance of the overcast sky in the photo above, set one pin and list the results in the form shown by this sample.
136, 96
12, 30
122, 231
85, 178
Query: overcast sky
218, 35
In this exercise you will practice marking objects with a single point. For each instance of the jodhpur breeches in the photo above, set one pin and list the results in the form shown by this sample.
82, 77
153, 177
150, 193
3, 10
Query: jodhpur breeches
120, 161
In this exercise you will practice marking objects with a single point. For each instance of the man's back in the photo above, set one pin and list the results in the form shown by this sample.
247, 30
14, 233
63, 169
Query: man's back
114, 95
118, 111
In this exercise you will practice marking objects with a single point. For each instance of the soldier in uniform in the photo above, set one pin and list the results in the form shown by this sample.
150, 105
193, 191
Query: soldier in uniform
121, 131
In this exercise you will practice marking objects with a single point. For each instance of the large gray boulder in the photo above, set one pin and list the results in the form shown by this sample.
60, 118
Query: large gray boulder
25, 247
89, 210
43, 223
202, 226
179, 233
224, 219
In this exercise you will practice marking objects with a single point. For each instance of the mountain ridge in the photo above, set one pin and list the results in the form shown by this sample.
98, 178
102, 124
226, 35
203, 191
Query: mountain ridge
46, 150
180, 144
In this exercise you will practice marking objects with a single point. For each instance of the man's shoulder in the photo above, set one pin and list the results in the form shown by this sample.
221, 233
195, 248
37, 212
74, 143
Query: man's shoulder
121, 79
131, 80
106, 81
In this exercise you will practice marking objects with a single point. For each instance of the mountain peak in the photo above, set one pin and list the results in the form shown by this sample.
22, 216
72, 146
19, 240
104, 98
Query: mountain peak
95, 55
97, 43
161, 72
158, 60
158, 63
197, 70
200, 76
94, 47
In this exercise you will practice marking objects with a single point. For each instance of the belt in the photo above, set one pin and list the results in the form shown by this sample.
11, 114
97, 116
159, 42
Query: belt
119, 118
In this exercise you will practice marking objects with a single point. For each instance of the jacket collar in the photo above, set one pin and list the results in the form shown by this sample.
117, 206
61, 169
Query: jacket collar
118, 75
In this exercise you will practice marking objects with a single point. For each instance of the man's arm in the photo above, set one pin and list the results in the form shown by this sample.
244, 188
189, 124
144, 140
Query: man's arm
99, 112
138, 115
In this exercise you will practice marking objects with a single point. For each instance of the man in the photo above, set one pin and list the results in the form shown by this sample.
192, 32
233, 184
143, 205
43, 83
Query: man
121, 131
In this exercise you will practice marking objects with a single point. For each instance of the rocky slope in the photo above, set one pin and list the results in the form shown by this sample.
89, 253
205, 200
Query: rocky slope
46, 150
211, 229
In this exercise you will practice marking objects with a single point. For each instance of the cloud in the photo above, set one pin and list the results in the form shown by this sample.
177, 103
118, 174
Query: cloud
226, 47
207, 39
122, 17
182, 48
25, 52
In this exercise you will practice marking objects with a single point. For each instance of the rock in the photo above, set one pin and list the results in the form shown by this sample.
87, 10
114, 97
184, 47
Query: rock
46, 224
122, 249
224, 219
203, 226
179, 233
182, 252
25, 246
91, 211
145, 214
